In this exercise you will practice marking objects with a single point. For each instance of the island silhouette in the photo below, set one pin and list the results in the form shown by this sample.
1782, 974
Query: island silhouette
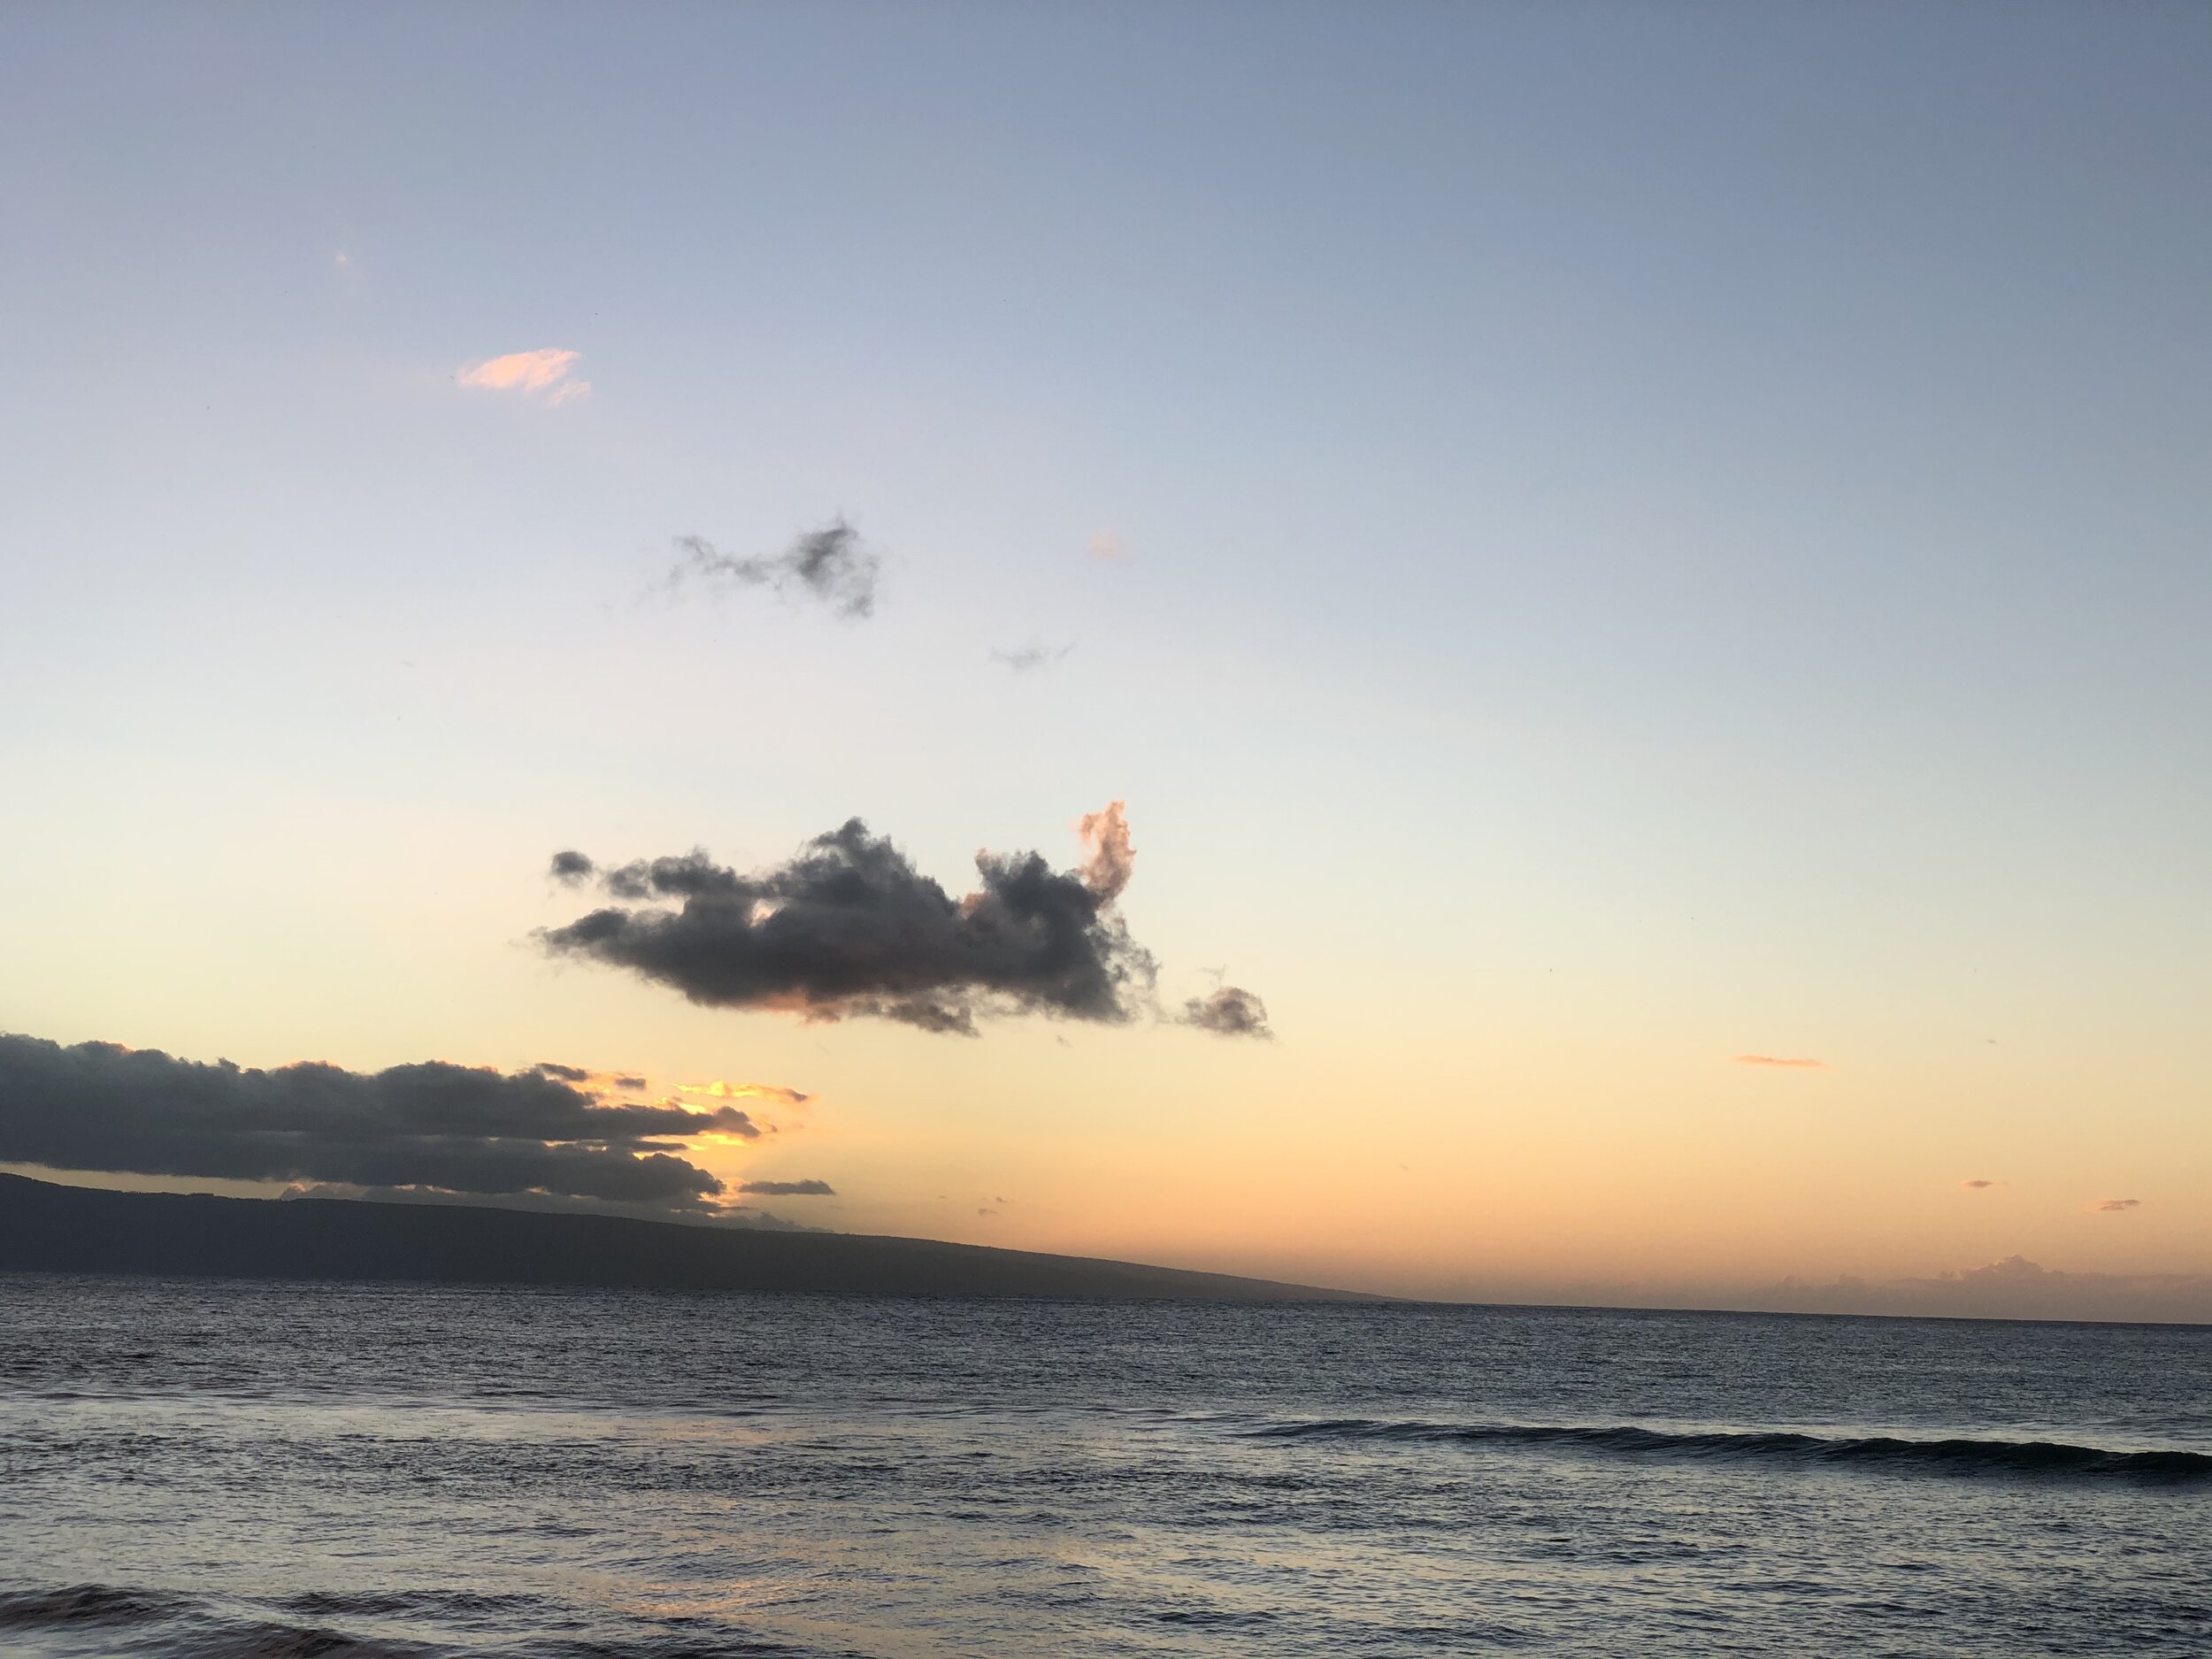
45, 1227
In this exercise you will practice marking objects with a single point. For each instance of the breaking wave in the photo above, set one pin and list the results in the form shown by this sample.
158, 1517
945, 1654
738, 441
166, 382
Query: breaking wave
1958, 1457
162, 1626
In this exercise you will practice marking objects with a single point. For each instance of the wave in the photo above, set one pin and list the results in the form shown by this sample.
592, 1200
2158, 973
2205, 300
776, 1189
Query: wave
159, 1626
85, 1604
1959, 1456
186, 1628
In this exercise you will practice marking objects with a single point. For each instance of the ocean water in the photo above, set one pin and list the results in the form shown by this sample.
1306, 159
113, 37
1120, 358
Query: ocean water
226, 1468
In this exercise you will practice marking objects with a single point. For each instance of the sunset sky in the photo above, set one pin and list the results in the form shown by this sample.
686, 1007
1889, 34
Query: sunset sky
1602, 548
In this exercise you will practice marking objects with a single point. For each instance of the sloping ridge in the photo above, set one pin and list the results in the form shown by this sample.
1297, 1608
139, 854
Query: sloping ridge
49, 1228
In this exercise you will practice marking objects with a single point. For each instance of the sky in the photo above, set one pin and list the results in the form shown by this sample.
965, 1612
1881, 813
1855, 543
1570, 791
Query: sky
1595, 548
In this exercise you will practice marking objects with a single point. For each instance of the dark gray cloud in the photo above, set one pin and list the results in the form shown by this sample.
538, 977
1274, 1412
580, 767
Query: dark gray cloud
831, 565
1230, 1011
848, 927
2121, 1203
789, 1189
458, 1129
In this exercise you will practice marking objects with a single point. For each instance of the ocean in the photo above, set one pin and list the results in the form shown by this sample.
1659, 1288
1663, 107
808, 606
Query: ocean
216, 1468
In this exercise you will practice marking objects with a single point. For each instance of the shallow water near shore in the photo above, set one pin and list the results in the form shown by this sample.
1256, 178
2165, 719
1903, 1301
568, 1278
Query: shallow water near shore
214, 1468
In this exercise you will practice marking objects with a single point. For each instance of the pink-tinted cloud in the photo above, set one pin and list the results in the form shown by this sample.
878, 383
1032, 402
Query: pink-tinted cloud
1108, 546
529, 373
1109, 859
1790, 1063
1976, 1183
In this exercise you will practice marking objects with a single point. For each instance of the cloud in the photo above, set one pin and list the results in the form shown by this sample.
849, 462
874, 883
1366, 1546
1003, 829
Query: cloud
1230, 1011
1109, 859
720, 1090
529, 373
1777, 1060
1029, 659
457, 1129
727, 1122
1976, 1183
570, 867
2118, 1203
848, 927
1108, 546
2013, 1288
598, 1084
831, 565
789, 1189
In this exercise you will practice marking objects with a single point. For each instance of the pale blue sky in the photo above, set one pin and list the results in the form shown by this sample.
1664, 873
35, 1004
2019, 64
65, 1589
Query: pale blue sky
1708, 501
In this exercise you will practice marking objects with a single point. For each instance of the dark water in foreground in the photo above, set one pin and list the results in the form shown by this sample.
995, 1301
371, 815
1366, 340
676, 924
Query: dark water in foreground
221, 1468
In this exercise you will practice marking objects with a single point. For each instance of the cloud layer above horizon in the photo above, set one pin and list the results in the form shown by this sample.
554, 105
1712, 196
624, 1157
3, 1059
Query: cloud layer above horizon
2012, 1288
98, 1106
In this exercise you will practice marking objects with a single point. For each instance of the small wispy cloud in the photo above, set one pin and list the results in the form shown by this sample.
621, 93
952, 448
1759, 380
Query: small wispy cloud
1976, 1183
1029, 659
720, 1090
1794, 1062
1108, 546
590, 1081
529, 373
2117, 1203
789, 1189
1230, 1011
831, 565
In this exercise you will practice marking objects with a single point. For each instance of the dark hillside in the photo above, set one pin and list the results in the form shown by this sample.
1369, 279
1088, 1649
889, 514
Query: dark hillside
80, 1230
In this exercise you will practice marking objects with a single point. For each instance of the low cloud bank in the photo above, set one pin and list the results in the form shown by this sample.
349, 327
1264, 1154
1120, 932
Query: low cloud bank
449, 1129
849, 928
2015, 1288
